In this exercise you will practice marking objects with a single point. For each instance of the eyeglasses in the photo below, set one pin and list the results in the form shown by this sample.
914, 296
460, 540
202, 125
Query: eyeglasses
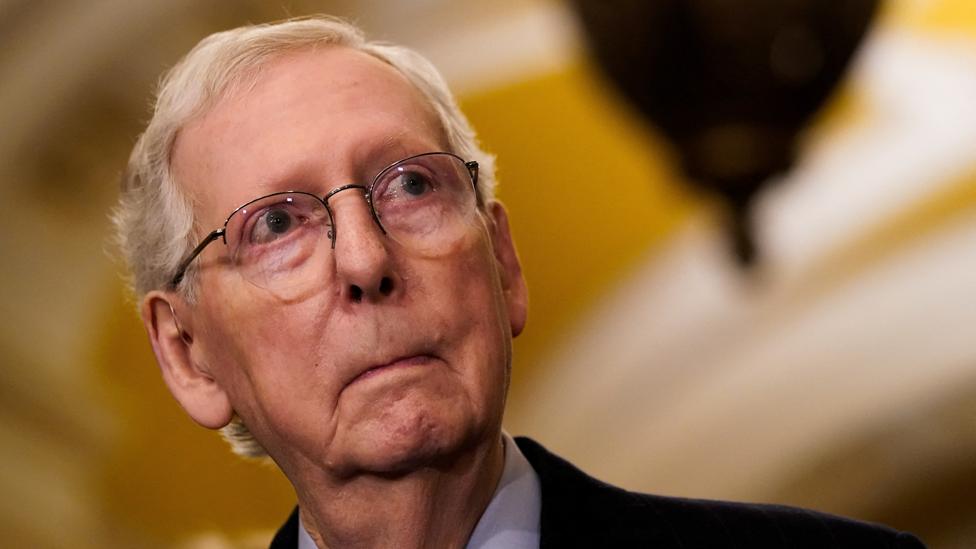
424, 203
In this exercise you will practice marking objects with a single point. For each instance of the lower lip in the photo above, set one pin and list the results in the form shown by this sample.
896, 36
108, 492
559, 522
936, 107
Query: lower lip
407, 362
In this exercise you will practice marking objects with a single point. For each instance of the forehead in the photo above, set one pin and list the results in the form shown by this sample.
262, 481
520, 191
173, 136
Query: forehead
307, 120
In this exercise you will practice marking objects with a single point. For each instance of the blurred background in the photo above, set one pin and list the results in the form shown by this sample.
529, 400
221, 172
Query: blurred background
799, 330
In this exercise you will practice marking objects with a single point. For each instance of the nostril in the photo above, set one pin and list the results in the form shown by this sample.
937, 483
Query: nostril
386, 286
356, 293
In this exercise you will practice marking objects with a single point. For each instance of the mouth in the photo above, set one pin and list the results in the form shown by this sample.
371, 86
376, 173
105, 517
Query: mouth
395, 364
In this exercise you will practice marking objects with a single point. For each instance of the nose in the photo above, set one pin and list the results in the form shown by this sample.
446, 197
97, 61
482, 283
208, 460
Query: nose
364, 267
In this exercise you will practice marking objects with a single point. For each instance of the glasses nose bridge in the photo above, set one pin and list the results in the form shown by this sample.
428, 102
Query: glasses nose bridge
365, 191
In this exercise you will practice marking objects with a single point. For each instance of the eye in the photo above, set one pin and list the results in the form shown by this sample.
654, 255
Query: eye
277, 221
277, 230
406, 185
272, 224
414, 184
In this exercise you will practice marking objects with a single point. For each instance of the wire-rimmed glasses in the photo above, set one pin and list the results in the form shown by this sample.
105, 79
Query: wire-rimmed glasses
282, 240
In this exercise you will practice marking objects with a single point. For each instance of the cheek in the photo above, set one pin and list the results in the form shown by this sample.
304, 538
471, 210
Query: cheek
262, 354
472, 304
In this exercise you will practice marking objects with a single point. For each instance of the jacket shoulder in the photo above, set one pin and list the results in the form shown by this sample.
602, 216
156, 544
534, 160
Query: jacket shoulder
287, 535
578, 510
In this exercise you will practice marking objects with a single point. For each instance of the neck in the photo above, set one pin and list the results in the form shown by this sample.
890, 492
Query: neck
433, 506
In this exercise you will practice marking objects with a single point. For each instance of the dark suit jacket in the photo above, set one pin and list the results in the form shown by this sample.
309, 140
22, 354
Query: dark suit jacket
580, 511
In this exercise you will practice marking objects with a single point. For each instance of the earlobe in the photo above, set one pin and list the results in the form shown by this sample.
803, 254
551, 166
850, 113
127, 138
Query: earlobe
192, 385
510, 270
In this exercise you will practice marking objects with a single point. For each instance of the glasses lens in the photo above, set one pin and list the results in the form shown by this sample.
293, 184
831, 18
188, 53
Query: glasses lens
426, 203
276, 239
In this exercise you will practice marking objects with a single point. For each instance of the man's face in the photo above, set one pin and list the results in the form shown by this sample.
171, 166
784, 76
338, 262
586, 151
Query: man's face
397, 359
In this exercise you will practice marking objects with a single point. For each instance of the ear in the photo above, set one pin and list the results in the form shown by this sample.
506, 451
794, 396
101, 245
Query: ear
510, 270
191, 383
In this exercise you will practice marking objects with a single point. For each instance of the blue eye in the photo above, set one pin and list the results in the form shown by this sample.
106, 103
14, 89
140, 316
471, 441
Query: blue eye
414, 184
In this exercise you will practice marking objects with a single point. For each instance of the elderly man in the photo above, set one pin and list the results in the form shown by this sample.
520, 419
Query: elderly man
325, 276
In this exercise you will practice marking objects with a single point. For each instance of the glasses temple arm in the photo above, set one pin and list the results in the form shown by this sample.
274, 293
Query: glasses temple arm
185, 264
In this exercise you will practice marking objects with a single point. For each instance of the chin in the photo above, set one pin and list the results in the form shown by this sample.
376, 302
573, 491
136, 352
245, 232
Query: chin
409, 440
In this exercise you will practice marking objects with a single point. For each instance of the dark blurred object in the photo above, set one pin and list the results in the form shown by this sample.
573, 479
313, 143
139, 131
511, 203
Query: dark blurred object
730, 82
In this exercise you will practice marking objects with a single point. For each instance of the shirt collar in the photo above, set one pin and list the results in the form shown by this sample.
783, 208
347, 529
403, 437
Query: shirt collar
511, 520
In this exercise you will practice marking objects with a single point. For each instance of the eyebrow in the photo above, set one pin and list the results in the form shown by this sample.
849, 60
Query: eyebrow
393, 142
367, 160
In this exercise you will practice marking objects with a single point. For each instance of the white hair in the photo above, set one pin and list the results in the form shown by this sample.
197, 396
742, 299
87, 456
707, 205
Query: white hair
154, 220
